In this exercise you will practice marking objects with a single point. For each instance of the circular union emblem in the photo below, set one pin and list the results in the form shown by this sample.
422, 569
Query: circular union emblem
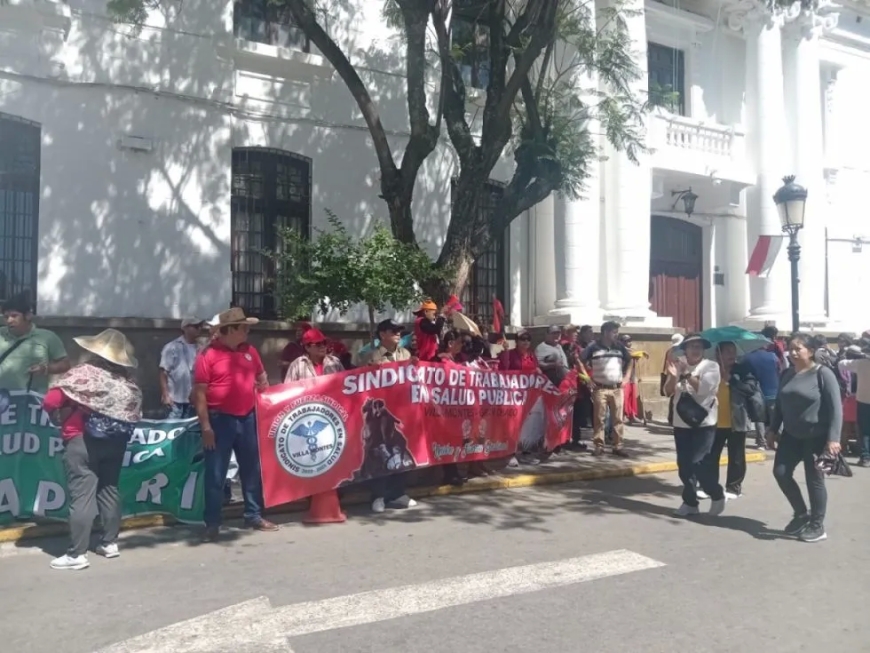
309, 439
248, 357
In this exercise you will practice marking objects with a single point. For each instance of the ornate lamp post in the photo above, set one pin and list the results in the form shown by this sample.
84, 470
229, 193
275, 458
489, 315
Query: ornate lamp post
688, 198
791, 202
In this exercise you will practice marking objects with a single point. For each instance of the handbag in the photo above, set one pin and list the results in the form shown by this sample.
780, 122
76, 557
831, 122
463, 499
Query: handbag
103, 427
690, 411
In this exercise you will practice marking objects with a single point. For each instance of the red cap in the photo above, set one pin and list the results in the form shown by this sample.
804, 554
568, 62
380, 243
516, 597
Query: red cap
313, 337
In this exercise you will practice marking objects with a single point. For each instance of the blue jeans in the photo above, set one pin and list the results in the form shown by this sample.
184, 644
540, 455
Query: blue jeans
237, 434
181, 411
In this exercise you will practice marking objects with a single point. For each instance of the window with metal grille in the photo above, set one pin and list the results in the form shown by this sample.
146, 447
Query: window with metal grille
487, 278
470, 36
19, 205
271, 189
262, 21
667, 78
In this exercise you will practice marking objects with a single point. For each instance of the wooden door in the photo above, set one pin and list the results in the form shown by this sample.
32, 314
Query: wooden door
676, 260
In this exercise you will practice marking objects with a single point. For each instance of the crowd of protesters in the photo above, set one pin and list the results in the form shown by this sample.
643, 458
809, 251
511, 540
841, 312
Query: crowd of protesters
796, 394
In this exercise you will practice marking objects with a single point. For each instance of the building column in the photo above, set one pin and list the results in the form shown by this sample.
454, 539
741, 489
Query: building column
769, 296
580, 220
544, 243
625, 242
803, 72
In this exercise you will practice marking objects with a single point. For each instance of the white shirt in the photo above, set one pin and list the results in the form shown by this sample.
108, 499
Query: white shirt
546, 353
177, 359
708, 373
860, 367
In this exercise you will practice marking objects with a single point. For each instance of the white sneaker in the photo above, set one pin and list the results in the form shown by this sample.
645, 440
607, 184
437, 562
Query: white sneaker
686, 510
702, 495
513, 462
730, 496
108, 550
378, 505
404, 501
717, 507
70, 562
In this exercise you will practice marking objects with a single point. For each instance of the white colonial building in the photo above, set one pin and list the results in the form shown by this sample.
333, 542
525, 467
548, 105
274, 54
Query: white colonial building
142, 172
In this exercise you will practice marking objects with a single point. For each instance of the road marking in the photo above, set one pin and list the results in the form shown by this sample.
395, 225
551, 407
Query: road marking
256, 622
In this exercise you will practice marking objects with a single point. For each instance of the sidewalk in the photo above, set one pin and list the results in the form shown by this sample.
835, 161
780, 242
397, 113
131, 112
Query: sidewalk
651, 451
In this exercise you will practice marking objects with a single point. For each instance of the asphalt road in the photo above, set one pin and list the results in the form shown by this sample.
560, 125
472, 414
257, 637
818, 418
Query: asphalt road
712, 585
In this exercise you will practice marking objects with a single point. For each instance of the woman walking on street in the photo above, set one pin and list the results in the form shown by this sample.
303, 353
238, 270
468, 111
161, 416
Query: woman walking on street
97, 405
740, 401
694, 383
809, 411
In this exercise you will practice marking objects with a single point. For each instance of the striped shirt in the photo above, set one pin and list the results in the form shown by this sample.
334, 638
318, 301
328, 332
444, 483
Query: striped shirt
608, 365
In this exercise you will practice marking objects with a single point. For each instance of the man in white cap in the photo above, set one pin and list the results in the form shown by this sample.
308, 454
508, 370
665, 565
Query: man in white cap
176, 369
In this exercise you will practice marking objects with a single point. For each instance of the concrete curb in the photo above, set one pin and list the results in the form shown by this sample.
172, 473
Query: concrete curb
32, 531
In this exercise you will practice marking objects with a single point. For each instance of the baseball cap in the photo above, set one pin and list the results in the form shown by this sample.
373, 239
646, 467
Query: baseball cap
390, 325
191, 321
555, 328
313, 337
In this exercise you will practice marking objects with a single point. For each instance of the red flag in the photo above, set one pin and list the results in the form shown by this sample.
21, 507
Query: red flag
497, 315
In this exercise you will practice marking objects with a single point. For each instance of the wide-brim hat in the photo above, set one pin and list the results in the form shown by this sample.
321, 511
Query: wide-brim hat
232, 317
111, 345
687, 341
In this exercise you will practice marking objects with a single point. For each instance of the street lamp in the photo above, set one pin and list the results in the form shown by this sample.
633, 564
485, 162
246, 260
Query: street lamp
791, 202
688, 198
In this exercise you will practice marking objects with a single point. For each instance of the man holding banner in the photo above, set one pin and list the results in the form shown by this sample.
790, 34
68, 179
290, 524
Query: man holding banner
227, 375
390, 489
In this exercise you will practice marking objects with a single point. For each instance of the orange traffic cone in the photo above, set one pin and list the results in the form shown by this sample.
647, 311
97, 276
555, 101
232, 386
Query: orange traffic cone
324, 509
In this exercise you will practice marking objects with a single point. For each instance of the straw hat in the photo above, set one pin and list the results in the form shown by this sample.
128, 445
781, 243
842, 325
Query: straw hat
463, 323
235, 315
112, 345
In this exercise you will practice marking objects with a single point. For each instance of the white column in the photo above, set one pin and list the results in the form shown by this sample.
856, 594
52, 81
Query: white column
580, 220
802, 55
769, 297
628, 189
544, 239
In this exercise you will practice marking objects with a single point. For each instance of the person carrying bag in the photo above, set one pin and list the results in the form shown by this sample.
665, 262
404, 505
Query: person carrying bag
694, 383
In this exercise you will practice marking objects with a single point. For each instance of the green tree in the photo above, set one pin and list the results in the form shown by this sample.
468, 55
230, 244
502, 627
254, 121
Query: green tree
535, 108
336, 271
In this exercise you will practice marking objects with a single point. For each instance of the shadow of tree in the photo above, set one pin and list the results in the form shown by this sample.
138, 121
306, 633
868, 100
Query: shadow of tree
126, 233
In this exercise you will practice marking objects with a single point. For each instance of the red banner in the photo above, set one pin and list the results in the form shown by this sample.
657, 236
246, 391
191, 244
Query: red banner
319, 434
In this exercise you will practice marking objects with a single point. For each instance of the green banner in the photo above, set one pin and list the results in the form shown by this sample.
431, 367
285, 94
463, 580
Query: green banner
162, 469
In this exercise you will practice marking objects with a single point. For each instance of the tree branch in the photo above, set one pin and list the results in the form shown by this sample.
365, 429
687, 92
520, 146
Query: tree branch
424, 136
540, 18
454, 89
306, 19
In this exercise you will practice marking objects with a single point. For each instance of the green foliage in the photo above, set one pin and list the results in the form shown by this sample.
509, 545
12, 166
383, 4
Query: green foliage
335, 271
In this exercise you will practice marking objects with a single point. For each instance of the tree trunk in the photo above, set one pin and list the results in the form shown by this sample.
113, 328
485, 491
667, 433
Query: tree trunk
372, 322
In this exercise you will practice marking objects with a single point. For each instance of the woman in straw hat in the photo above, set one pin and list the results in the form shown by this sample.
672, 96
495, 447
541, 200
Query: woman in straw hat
98, 406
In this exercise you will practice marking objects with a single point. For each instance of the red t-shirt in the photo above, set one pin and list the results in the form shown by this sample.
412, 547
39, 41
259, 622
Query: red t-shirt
74, 425
230, 375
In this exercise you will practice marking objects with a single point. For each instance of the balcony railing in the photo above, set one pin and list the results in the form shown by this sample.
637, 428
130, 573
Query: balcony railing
689, 145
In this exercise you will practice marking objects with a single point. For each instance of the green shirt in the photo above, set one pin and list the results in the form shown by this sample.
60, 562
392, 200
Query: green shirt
40, 347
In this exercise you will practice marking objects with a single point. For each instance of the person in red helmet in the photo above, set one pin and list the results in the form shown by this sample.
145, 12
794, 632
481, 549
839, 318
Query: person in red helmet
316, 361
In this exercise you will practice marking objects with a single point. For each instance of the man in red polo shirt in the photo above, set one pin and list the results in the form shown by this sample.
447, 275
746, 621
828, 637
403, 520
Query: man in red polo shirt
226, 377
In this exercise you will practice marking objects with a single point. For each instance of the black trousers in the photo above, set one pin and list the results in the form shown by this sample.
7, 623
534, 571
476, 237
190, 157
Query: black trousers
389, 488
789, 452
695, 461
582, 416
736, 470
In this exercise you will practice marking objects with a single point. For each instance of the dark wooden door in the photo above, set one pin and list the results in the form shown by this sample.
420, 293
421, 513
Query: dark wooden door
676, 260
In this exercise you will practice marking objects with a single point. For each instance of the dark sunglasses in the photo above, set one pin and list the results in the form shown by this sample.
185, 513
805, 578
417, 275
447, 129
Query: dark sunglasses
524, 339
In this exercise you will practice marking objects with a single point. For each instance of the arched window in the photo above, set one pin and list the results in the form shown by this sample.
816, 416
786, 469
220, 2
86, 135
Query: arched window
271, 188
19, 205
487, 277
